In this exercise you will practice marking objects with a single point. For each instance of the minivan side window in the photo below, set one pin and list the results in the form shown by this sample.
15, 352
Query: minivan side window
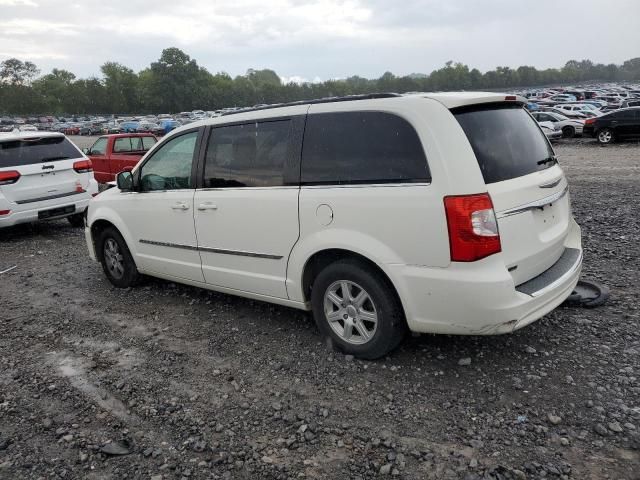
169, 168
247, 155
361, 147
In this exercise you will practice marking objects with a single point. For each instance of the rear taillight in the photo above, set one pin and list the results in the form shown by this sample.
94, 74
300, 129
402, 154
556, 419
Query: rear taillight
473, 228
590, 121
83, 166
4, 212
9, 177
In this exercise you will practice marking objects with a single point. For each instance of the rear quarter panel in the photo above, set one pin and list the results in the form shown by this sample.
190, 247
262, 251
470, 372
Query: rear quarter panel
397, 224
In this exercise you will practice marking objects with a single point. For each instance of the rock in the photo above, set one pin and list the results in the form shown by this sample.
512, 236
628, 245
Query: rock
386, 469
530, 350
121, 447
277, 406
464, 361
67, 438
348, 358
554, 419
601, 430
473, 463
268, 460
615, 427
46, 423
564, 441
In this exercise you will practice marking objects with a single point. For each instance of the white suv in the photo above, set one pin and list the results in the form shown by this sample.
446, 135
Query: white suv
43, 176
440, 213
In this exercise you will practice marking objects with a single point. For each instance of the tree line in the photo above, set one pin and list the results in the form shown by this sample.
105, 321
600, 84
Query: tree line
177, 83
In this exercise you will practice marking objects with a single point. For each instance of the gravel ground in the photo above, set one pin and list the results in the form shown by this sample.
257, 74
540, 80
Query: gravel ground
203, 385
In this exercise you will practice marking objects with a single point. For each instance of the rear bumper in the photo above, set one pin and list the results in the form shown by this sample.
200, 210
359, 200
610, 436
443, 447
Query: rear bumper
28, 212
480, 298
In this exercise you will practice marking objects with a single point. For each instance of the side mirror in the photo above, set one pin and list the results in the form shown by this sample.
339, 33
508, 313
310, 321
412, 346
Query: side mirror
86, 151
124, 180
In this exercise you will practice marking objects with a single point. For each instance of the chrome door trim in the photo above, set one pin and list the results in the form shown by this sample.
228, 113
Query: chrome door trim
241, 253
535, 205
222, 251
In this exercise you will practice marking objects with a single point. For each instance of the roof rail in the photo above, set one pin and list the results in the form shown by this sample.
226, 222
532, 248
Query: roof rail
347, 98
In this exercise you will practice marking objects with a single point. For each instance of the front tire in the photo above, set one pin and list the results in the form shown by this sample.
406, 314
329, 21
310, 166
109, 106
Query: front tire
116, 260
358, 309
605, 136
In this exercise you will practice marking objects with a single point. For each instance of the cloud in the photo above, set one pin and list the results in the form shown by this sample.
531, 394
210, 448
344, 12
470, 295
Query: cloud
315, 38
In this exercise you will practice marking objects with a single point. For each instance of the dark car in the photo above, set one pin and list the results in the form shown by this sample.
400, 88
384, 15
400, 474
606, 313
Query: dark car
618, 125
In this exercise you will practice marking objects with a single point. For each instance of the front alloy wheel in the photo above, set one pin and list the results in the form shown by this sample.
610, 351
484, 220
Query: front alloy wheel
113, 258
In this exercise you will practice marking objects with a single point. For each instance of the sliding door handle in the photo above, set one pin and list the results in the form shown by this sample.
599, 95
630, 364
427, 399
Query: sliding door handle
207, 206
180, 206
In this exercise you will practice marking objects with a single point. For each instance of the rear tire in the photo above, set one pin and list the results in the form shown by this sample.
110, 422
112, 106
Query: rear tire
355, 306
116, 260
76, 220
605, 136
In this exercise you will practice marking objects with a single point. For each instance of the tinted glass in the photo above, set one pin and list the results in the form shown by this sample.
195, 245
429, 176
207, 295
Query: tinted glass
148, 142
15, 153
100, 147
122, 145
170, 166
361, 147
506, 140
249, 155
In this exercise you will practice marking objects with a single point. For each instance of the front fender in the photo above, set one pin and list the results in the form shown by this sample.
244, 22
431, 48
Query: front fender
98, 212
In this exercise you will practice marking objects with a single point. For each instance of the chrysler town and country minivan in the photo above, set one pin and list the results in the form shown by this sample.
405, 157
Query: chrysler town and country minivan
441, 213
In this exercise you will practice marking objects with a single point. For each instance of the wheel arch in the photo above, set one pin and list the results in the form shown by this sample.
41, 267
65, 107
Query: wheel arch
322, 258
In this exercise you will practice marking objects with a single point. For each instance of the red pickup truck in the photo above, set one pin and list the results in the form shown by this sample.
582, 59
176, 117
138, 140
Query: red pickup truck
110, 154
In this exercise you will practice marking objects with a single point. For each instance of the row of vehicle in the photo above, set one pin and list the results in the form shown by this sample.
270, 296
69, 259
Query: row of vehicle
441, 213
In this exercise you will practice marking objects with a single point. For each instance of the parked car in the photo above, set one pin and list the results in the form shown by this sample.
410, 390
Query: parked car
111, 128
111, 154
630, 103
584, 108
550, 130
148, 127
569, 127
129, 127
618, 125
43, 176
573, 114
169, 124
561, 98
440, 213
28, 128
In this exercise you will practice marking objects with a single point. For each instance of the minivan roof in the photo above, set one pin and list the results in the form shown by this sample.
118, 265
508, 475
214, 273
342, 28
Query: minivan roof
447, 99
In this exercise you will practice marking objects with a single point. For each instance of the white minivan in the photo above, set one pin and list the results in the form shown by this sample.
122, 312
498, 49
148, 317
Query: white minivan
43, 176
441, 213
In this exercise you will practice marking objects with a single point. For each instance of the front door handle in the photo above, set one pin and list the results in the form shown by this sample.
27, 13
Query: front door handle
207, 206
180, 206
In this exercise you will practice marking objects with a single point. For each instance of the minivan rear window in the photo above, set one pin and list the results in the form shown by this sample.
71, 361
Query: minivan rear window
506, 141
15, 153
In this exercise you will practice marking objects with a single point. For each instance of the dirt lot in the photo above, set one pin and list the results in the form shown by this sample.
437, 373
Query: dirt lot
205, 385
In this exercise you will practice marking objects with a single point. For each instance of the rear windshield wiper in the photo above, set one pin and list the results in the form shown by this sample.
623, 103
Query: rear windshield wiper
51, 159
552, 160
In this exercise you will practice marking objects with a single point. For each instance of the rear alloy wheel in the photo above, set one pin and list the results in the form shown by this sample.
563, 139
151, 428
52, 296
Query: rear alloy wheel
357, 307
117, 263
605, 136
568, 132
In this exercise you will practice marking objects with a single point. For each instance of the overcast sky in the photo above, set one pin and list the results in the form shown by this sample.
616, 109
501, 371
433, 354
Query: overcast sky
319, 39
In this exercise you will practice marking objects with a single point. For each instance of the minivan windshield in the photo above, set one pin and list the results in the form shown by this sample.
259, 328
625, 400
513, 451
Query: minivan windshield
507, 142
14, 153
